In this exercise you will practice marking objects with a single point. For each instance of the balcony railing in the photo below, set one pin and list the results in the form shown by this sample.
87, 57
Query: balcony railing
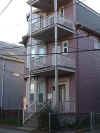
46, 5
48, 21
48, 61
68, 105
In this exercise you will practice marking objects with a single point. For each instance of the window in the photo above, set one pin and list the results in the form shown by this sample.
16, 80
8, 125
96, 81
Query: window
96, 44
41, 91
42, 51
33, 52
61, 12
41, 21
65, 47
32, 92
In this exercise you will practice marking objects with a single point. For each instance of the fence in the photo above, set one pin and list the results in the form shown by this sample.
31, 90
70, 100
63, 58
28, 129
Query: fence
11, 117
65, 122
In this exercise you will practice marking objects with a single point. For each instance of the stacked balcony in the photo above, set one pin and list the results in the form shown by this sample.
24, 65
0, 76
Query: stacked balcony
44, 29
46, 64
46, 5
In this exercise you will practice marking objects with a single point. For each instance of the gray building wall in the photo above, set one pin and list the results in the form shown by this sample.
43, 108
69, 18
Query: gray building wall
13, 86
87, 17
88, 76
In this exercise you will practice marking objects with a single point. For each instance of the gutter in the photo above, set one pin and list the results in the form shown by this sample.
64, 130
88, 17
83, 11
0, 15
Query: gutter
12, 59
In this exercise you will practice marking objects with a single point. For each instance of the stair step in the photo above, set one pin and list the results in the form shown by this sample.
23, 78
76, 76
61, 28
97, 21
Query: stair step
32, 122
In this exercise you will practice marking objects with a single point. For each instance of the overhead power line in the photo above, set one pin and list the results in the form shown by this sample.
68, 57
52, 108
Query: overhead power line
75, 51
4, 9
35, 44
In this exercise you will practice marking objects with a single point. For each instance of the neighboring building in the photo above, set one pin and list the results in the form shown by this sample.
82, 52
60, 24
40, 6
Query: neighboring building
11, 80
72, 81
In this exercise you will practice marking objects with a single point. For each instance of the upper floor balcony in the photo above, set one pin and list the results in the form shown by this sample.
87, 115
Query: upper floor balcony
46, 64
46, 5
43, 28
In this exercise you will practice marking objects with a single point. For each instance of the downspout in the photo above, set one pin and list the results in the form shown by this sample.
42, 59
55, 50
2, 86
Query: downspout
30, 55
77, 75
56, 69
2, 92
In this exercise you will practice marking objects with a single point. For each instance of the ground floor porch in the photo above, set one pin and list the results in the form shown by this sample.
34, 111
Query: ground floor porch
42, 92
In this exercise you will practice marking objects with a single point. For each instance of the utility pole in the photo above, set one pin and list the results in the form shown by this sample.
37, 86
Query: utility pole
2, 93
30, 42
56, 47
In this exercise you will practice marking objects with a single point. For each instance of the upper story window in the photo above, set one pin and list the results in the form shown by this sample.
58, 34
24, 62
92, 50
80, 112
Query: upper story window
42, 49
41, 21
33, 52
96, 44
61, 12
65, 47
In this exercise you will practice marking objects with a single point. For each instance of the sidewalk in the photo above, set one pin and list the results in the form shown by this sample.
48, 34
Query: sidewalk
16, 128
30, 130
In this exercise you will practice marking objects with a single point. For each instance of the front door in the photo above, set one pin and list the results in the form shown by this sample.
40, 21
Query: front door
62, 93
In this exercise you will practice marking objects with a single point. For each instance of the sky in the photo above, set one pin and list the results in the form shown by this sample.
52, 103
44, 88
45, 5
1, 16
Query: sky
13, 23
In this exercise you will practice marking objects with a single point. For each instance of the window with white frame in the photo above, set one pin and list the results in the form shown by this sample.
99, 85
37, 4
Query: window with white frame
96, 44
61, 12
42, 49
33, 52
65, 46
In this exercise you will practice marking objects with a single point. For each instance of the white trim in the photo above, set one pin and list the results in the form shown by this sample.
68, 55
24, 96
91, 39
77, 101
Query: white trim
60, 12
66, 46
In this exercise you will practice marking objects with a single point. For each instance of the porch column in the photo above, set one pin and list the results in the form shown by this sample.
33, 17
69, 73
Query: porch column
35, 93
56, 69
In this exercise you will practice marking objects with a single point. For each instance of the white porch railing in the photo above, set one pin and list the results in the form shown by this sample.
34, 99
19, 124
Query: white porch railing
28, 112
68, 105
32, 109
39, 24
46, 61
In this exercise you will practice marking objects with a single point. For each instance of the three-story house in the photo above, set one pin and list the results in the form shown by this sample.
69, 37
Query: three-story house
62, 65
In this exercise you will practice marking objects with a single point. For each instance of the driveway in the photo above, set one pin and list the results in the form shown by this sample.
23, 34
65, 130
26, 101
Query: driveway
3, 130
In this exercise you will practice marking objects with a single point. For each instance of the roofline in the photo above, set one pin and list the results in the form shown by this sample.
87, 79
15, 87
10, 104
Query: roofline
79, 26
12, 59
87, 7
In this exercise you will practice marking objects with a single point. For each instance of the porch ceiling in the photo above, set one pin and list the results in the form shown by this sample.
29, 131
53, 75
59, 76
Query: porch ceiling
47, 34
50, 71
46, 5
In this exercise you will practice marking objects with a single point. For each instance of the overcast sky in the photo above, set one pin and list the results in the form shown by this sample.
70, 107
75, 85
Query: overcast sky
13, 23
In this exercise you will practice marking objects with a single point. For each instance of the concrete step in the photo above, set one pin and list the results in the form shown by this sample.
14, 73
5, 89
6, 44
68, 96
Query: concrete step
32, 122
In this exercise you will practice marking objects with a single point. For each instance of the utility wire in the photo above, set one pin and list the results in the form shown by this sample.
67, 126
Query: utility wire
80, 51
35, 44
4, 9
75, 51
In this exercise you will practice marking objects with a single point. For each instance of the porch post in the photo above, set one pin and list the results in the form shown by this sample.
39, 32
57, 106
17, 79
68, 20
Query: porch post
30, 42
35, 93
56, 69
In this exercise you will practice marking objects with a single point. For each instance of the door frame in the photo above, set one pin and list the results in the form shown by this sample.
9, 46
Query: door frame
65, 82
